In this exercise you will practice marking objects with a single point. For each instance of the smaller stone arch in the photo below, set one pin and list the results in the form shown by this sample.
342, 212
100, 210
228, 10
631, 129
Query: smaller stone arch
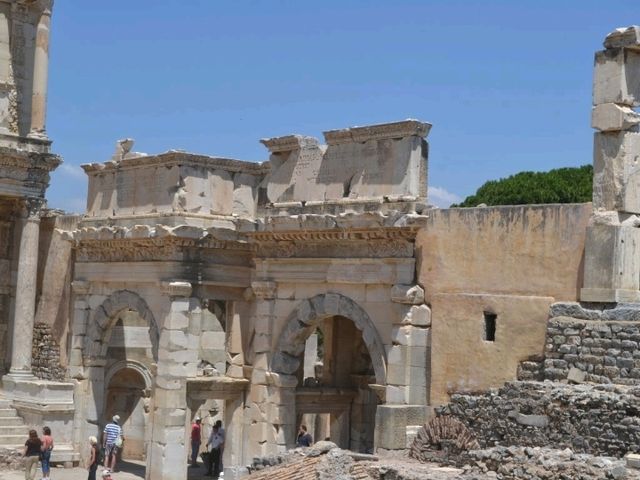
105, 316
306, 317
133, 365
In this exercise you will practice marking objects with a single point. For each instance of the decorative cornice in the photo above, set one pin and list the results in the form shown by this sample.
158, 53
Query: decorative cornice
401, 129
355, 234
288, 143
10, 157
175, 158
149, 249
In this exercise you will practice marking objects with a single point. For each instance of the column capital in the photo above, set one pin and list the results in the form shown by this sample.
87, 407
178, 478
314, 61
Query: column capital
32, 208
264, 289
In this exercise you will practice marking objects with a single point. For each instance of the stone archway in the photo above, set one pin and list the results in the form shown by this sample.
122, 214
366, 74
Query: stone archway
346, 400
99, 328
306, 317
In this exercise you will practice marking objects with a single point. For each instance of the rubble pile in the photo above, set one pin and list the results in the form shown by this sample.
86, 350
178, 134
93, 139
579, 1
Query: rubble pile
596, 419
536, 463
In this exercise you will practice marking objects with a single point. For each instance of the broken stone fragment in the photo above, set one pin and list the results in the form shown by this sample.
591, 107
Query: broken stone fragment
611, 117
409, 294
627, 37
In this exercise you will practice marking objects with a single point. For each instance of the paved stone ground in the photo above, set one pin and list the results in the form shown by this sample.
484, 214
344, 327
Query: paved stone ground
131, 470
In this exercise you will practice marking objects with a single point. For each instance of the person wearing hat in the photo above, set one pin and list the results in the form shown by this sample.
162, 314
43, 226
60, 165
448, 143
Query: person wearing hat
111, 442
196, 439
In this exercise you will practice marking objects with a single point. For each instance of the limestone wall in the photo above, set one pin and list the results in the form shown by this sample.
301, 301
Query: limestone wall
504, 265
519, 250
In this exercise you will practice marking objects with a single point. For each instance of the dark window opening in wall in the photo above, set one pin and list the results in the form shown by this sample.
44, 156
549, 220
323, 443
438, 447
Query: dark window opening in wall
490, 326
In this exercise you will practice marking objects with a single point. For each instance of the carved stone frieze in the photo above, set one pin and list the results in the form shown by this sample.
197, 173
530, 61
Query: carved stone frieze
356, 243
153, 249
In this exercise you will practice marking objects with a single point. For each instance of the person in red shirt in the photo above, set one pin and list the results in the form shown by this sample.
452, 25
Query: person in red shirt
196, 433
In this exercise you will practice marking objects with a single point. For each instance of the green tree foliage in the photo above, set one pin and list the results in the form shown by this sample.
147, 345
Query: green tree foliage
562, 185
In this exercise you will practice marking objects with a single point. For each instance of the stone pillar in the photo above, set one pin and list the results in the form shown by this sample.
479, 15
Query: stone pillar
177, 361
262, 423
7, 85
612, 257
40, 73
408, 372
26, 291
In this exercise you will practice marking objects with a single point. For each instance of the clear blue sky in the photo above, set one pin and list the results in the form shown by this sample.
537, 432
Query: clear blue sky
506, 84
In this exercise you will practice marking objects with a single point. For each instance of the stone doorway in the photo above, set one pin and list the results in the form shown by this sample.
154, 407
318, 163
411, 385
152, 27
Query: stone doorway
128, 396
333, 397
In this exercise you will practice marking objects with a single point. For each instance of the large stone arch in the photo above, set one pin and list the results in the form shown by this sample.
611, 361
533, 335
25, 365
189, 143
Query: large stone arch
306, 317
105, 316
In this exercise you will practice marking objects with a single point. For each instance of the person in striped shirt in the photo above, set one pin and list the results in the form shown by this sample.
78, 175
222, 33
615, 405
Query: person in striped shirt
111, 442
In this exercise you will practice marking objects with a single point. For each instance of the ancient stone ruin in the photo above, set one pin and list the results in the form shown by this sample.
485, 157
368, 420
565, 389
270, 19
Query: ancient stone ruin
318, 287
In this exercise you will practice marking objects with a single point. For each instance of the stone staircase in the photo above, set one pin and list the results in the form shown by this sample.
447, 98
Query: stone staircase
13, 431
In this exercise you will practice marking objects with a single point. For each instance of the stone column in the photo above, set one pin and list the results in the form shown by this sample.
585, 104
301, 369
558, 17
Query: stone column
612, 254
26, 291
40, 73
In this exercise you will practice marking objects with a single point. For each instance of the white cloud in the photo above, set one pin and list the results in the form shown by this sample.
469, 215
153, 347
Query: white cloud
442, 198
71, 170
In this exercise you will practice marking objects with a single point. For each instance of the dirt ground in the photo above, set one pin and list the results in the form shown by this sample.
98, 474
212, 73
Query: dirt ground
128, 470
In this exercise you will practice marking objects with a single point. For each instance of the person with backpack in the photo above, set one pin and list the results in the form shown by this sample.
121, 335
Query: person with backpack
94, 458
111, 442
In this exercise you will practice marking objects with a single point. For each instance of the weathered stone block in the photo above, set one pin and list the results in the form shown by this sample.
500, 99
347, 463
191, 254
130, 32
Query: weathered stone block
616, 171
617, 77
625, 37
612, 263
611, 117
391, 424
410, 294
418, 315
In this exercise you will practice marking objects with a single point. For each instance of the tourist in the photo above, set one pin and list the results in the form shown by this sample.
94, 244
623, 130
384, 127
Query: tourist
111, 442
45, 457
216, 441
93, 458
32, 450
196, 439
304, 438
224, 437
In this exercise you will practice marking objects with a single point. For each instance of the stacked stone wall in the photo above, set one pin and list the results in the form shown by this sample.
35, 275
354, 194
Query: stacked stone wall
596, 419
46, 354
593, 345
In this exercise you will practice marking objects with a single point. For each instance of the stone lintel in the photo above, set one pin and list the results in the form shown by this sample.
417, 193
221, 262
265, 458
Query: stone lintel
177, 288
288, 143
624, 37
405, 128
